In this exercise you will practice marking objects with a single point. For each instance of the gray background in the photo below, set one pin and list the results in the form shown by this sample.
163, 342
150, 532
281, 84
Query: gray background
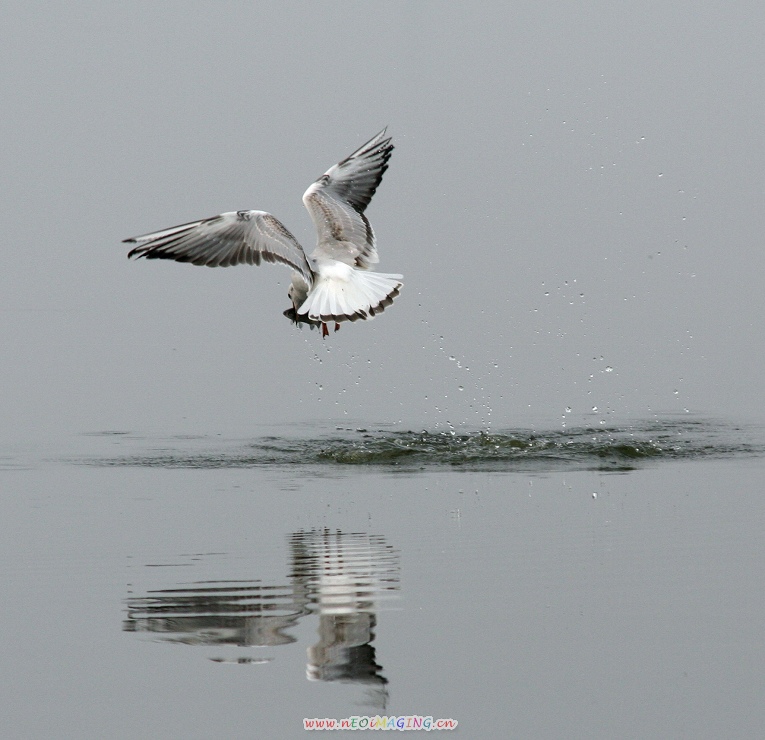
575, 187
575, 202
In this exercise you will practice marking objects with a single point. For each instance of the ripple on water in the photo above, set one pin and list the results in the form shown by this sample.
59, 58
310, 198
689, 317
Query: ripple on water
586, 448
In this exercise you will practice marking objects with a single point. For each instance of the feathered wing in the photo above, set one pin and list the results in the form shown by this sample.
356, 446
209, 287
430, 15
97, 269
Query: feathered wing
238, 237
342, 289
338, 199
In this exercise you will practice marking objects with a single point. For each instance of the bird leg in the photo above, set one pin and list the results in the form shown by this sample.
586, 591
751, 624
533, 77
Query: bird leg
324, 329
337, 326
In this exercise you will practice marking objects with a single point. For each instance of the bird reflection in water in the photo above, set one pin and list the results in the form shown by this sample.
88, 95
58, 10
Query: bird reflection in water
341, 577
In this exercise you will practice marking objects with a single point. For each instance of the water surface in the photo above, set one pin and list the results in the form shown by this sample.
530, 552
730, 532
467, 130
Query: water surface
600, 447
580, 582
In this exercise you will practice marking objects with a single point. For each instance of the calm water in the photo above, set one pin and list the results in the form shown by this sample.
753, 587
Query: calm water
586, 582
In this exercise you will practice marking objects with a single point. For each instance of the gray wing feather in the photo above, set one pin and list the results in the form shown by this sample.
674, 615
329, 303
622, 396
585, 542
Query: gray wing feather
238, 237
338, 199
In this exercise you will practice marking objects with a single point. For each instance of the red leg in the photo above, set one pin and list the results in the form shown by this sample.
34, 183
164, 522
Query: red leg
324, 330
337, 326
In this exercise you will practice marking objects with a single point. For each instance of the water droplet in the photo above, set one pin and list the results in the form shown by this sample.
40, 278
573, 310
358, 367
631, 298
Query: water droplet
609, 369
460, 388
594, 408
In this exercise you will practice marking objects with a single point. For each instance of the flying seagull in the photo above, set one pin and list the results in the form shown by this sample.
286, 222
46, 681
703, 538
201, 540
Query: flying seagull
333, 283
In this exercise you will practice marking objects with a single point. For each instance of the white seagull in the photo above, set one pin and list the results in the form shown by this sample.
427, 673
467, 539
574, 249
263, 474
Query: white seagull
333, 283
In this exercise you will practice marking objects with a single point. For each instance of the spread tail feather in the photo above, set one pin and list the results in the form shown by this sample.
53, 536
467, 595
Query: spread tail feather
350, 296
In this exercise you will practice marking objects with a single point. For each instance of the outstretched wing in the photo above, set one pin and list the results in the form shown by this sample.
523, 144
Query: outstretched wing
337, 200
238, 237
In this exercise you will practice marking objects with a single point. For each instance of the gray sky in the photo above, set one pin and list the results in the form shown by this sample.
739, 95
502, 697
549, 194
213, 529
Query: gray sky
575, 201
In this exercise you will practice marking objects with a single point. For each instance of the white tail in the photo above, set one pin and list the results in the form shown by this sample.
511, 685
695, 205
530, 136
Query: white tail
345, 294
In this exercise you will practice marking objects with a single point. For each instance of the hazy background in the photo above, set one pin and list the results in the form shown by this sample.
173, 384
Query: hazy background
576, 204
575, 201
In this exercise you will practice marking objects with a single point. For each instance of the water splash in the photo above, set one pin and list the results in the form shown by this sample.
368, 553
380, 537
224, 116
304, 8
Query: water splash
618, 448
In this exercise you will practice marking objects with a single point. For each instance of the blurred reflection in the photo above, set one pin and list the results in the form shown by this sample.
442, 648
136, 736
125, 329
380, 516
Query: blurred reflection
345, 575
342, 577
242, 613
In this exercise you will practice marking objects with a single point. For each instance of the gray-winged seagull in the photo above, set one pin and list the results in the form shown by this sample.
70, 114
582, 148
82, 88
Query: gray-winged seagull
333, 283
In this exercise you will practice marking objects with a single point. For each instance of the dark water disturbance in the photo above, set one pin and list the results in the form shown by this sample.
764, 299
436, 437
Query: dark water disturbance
624, 447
